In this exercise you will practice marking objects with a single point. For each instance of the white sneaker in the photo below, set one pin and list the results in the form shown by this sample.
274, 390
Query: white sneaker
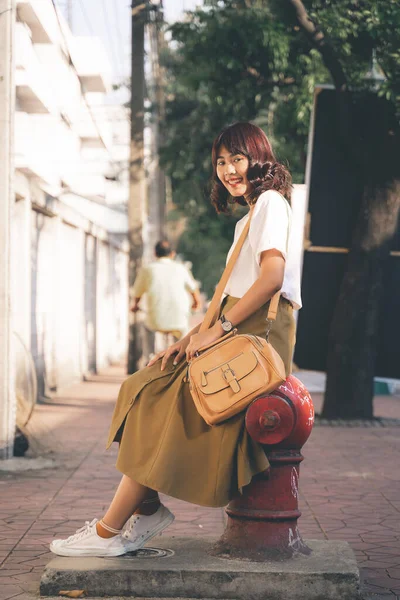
142, 528
86, 542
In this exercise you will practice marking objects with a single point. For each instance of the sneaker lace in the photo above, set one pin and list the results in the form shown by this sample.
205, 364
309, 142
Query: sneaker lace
82, 532
132, 522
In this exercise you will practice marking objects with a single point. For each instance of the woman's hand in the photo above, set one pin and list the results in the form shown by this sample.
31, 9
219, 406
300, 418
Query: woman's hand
178, 348
199, 340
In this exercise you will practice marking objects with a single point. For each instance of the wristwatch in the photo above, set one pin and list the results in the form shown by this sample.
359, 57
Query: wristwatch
226, 325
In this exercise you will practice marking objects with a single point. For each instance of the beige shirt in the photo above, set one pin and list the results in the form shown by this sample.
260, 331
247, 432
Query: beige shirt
167, 285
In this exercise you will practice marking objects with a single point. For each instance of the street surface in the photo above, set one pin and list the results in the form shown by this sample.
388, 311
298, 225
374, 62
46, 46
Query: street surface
349, 488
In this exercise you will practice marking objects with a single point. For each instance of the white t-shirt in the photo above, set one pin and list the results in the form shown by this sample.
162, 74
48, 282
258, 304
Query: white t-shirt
269, 228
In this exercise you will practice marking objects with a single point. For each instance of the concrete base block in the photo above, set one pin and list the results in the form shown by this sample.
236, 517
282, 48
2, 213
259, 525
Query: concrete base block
186, 570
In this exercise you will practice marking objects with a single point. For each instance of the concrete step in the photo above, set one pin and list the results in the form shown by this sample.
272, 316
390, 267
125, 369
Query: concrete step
182, 568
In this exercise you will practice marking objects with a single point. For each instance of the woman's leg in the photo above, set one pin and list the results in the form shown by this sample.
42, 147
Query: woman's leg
132, 498
127, 498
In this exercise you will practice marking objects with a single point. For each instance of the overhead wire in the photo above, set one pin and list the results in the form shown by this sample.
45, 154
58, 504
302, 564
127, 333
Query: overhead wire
119, 34
110, 38
92, 32
88, 106
86, 17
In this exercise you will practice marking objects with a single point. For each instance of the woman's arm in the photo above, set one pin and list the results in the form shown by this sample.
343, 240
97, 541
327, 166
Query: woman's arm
272, 265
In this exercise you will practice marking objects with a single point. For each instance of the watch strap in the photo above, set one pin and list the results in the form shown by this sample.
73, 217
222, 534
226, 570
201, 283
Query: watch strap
223, 320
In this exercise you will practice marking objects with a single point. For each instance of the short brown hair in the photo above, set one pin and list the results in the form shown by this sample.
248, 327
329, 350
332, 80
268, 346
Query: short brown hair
264, 172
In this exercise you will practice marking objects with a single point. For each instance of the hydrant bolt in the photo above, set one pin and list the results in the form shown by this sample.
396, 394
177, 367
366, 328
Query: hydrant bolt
270, 420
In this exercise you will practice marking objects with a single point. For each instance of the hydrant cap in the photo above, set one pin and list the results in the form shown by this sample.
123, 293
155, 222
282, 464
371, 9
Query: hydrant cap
270, 419
283, 417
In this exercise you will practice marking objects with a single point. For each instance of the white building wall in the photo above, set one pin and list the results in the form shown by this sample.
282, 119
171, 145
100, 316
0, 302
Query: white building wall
7, 401
44, 300
68, 325
67, 243
79, 298
112, 304
89, 357
21, 269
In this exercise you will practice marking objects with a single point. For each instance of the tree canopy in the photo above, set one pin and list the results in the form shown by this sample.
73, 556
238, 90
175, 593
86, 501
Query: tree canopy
237, 60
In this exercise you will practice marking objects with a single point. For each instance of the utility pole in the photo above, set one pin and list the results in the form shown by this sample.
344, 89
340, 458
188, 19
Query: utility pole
137, 206
7, 108
160, 100
164, 182
155, 86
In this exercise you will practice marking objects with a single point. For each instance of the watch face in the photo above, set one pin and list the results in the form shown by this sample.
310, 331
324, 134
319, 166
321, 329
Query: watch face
226, 326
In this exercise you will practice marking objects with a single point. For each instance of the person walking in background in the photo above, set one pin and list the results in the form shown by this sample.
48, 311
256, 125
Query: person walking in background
171, 293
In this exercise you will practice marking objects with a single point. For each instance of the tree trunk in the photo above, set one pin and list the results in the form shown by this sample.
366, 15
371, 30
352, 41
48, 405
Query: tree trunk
375, 144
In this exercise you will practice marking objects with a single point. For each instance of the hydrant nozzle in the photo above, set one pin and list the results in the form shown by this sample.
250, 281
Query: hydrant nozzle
269, 420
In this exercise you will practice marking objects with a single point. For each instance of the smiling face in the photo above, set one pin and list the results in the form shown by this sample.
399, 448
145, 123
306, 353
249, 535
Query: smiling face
232, 172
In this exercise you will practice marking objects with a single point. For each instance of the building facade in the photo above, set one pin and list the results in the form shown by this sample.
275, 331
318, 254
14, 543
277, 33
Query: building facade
69, 255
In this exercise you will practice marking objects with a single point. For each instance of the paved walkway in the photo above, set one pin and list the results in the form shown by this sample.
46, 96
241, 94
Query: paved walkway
350, 489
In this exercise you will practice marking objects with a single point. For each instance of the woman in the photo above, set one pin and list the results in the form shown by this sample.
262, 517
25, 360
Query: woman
165, 446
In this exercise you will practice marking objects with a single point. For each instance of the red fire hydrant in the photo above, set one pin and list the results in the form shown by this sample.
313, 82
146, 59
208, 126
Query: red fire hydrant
262, 522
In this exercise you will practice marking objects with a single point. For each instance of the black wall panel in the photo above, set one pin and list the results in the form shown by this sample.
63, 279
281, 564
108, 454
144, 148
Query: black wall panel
388, 353
322, 275
335, 193
335, 189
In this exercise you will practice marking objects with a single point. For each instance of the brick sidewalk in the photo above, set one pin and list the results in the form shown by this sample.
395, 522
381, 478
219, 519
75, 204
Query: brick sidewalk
350, 490
350, 483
